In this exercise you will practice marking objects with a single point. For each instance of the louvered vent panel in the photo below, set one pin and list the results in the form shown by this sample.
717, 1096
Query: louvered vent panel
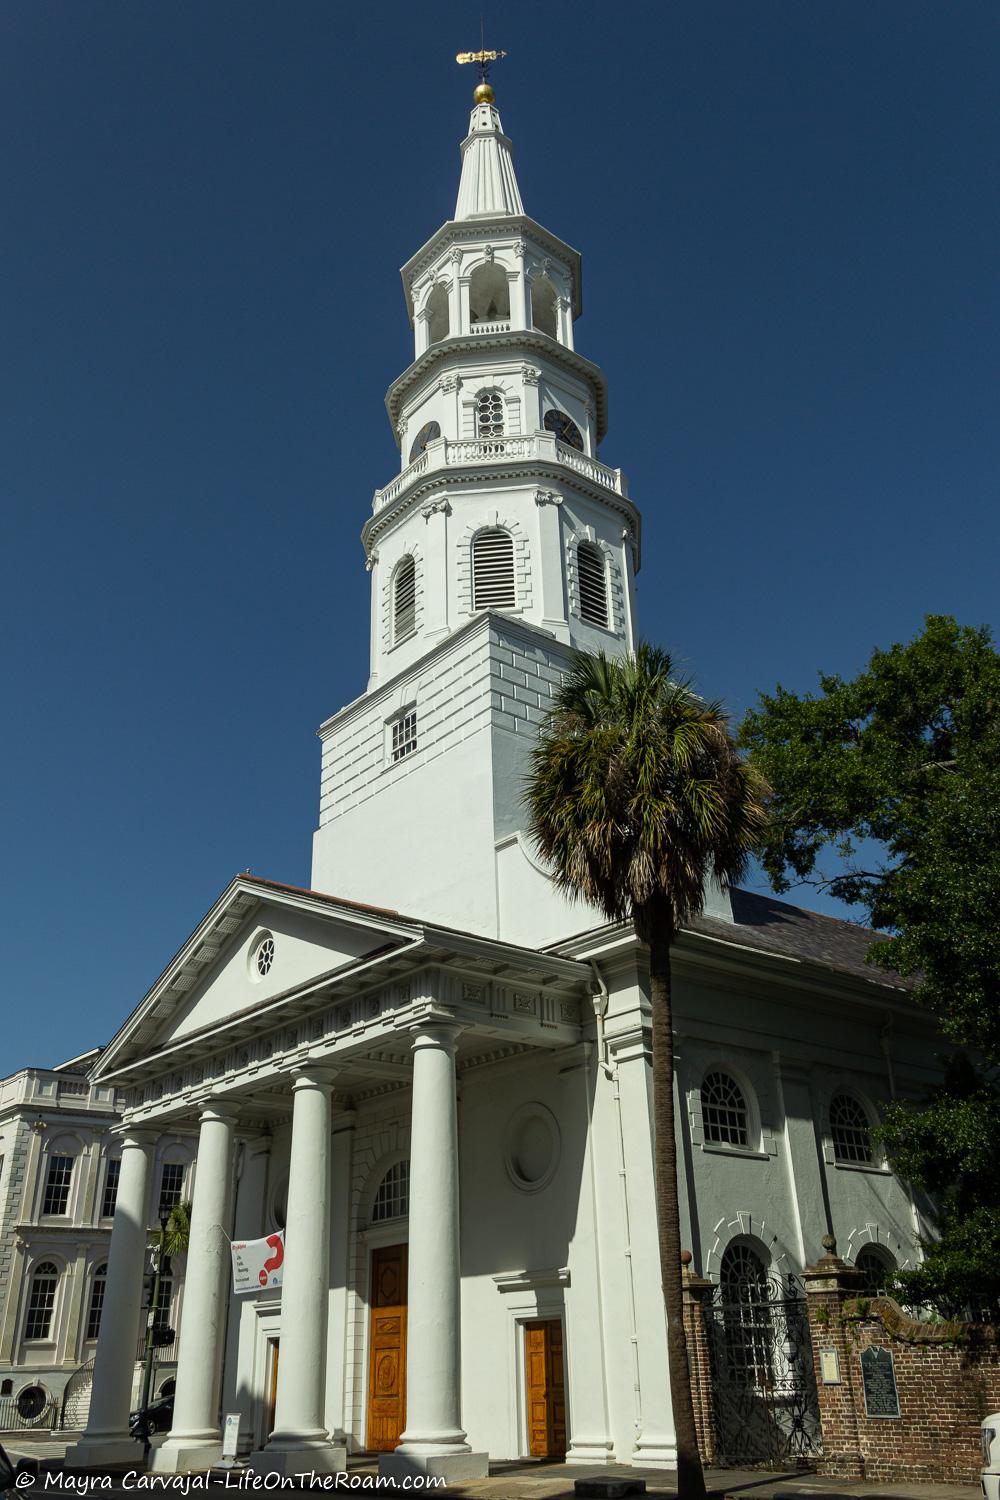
593, 585
493, 571
404, 600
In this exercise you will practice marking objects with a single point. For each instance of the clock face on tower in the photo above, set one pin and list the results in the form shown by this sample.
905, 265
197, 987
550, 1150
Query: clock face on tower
427, 434
564, 428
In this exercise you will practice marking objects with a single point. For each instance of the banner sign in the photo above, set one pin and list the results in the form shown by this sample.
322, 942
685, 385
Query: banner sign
257, 1263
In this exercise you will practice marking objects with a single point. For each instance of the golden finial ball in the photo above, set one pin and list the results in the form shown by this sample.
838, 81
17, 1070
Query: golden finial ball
484, 94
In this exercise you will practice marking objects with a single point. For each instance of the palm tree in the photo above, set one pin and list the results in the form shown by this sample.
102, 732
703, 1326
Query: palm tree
637, 794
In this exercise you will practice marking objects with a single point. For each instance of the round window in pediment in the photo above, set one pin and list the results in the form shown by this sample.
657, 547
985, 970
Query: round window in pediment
261, 956
532, 1147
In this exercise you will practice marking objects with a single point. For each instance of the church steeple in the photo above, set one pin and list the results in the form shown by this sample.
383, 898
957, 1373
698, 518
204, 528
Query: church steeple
488, 185
502, 545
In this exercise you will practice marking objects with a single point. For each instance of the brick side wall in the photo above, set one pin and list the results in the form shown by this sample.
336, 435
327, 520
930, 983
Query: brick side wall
947, 1378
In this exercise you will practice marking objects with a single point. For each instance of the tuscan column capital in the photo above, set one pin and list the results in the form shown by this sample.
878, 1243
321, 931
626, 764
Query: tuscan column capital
137, 1136
307, 1075
439, 1035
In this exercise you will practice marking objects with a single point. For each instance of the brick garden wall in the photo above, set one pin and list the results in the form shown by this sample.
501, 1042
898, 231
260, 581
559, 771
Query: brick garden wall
947, 1378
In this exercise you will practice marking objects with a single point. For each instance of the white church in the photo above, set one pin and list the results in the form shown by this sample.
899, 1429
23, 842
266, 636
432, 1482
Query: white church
430, 1069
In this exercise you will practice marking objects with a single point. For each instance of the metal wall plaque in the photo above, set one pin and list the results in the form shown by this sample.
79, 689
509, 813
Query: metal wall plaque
878, 1375
829, 1366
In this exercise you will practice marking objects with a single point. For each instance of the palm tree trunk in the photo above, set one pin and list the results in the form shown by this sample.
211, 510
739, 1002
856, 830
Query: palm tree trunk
690, 1478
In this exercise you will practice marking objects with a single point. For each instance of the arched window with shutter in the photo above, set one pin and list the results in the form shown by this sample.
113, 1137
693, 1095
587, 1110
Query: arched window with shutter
724, 1114
493, 584
593, 576
404, 600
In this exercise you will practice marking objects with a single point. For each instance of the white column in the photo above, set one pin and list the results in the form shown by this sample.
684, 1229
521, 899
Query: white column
106, 1440
518, 298
434, 1440
340, 1221
421, 332
300, 1441
195, 1439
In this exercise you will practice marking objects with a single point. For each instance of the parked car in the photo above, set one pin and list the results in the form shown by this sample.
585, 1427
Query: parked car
9, 1471
989, 1437
158, 1417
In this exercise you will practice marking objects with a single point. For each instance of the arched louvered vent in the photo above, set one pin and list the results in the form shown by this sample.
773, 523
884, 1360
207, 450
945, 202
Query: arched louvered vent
404, 600
593, 584
493, 571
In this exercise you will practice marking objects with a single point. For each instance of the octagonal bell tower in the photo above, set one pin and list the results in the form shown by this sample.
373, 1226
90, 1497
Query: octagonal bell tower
503, 544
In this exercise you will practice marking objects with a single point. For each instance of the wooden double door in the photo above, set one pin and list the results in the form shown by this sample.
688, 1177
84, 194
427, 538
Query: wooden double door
387, 1348
545, 1384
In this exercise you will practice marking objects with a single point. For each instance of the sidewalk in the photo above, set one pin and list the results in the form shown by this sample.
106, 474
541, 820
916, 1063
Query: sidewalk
528, 1479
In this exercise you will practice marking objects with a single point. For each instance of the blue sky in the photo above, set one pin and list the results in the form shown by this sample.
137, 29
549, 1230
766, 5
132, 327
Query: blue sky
789, 222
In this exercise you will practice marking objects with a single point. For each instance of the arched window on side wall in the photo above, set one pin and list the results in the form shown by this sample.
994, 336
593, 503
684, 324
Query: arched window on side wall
42, 1300
437, 314
850, 1130
96, 1302
746, 1316
593, 576
876, 1266
404, 600
725, 1117
392, 1200
493, 584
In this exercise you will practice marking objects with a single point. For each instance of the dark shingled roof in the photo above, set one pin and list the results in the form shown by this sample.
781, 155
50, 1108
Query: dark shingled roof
772, 926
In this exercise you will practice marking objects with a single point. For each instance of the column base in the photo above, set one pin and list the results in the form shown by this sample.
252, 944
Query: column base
456, 1465
308, 1458
103, 1453
590, 1451
655, 1453
184, 1455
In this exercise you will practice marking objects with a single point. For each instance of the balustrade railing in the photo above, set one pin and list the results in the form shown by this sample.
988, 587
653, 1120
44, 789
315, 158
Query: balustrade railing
444, 453
497, 325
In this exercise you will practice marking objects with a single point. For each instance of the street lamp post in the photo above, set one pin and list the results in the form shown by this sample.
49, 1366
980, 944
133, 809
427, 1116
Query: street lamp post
151, 1332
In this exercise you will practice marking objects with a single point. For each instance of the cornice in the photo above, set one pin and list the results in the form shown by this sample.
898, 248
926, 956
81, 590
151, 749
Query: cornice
515, 341
517, 470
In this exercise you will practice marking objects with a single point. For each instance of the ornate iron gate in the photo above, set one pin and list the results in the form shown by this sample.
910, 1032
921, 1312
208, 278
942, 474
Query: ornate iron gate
763, 1383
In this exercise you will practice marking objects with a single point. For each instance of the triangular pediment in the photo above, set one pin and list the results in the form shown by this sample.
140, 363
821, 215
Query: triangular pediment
259, 942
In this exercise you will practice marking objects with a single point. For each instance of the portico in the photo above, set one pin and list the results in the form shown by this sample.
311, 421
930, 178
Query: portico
396, 1019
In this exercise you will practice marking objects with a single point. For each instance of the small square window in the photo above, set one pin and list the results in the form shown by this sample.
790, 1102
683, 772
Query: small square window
403, 738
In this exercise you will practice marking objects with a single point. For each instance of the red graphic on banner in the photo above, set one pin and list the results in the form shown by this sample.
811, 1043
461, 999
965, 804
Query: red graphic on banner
273, 1261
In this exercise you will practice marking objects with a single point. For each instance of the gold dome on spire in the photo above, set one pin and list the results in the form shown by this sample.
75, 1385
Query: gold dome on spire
483, 93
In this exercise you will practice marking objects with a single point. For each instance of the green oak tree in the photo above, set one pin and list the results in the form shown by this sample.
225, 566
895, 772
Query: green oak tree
885, 791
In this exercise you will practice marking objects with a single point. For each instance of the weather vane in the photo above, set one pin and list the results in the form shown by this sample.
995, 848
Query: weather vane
486, 55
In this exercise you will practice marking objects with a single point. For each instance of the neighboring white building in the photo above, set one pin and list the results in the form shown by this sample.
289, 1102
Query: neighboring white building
438, 1076
59, 1164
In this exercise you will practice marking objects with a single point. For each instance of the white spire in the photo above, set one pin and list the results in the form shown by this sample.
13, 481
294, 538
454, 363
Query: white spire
488, 185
